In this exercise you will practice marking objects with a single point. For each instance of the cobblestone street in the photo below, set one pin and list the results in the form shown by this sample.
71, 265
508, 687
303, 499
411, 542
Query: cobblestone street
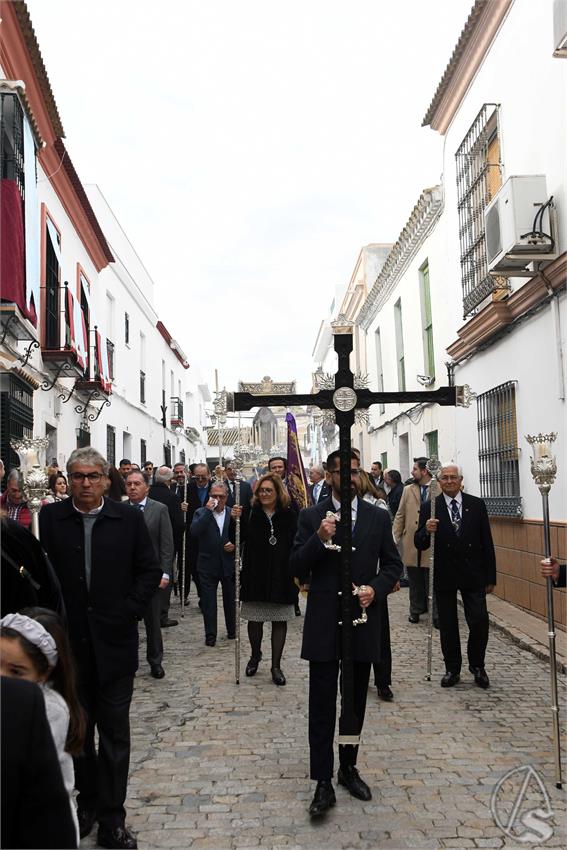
223, 766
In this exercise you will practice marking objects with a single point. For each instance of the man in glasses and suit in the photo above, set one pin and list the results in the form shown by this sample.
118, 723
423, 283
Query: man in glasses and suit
108, 570
464, 561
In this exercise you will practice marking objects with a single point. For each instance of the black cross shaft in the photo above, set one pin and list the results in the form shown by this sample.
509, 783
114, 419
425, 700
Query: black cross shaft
327, 400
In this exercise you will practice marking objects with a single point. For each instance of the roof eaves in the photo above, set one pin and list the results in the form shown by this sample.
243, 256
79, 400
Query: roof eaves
28, 34
69, 168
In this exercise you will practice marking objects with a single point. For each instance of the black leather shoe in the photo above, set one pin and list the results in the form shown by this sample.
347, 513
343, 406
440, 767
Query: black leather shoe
297, 609
252, 666
158, 672
324, 798
413, 618
278, 677
450, 679
385, 693
480, 677
231, 636
210, 640
86, 818
357, 787
120, 837
167, 623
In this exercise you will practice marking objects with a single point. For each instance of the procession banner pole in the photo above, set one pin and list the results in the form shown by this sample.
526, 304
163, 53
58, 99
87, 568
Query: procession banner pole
543, 469
237, 580
183, 558
433, 466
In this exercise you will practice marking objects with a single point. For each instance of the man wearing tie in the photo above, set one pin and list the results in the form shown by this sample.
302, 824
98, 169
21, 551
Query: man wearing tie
245, 488
157, 521
464, 560
319, 487
405, 525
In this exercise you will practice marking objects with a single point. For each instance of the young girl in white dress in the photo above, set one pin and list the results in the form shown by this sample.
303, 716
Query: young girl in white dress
34, 646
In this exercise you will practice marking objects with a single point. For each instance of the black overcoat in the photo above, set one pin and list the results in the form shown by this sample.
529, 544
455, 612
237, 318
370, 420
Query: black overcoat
102, 620
464, 561
265, 575
311, 562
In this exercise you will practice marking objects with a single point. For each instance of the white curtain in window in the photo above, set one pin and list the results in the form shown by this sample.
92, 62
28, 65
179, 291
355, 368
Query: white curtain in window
31, 220
54, 239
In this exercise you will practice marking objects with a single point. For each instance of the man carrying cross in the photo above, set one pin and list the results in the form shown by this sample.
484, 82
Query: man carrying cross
312, 562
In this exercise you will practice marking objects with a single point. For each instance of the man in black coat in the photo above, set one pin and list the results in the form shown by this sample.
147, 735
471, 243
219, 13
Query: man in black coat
464, 560
35, 803
161, 491
198, 489
245, 488
312, 562
108, 571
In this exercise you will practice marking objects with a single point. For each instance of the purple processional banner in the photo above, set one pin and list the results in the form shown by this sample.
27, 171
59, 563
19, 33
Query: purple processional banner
297, 486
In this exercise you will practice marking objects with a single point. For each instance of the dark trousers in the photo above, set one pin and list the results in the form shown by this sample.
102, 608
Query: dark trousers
476, 615
418, 578
323, 683
383, 668
102, 778
154, 642
164, 602
191, 553
209, 585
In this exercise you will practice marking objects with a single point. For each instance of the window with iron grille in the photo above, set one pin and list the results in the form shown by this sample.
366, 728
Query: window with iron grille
400, 345
143, 452
426, 321
142, 387
12, 140
182, 456
16, 415
51, 287
479, 176
167, 454
384, 460
126, 328
111, 445
498, 450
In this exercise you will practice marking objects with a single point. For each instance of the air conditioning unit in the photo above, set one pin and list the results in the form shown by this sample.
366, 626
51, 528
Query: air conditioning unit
519, 224
560, 28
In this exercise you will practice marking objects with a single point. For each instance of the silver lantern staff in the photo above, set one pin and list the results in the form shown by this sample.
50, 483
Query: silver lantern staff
186, 472
543, 469
433, 466
35, 481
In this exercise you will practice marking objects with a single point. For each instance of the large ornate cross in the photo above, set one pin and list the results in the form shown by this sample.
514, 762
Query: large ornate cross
344, 399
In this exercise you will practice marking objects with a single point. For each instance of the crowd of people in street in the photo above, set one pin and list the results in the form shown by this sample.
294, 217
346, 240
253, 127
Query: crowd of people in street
116, 543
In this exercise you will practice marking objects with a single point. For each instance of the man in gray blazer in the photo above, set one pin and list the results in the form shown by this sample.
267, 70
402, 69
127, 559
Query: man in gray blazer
157, 520
215, 561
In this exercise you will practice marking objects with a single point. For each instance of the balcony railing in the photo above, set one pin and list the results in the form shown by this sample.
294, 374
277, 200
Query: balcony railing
176, 411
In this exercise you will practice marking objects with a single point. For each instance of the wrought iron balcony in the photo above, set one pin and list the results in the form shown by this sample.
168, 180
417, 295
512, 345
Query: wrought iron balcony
176, 418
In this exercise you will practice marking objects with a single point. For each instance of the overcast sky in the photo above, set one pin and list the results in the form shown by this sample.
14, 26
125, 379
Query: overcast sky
250, 149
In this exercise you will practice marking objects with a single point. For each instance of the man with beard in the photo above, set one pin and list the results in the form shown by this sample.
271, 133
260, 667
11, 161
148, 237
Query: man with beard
372, 543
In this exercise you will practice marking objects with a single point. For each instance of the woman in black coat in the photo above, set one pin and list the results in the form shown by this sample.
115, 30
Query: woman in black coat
394, 481
267, 590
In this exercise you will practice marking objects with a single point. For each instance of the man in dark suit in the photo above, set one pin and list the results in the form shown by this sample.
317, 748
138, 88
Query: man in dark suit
245, 488
319, 488
35, 804
160, 491
157, 522
108, 571
311, 561
464, 560
197, 495
215, 561
377, 474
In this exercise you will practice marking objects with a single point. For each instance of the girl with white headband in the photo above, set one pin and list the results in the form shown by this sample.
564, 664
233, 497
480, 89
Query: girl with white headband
34, 646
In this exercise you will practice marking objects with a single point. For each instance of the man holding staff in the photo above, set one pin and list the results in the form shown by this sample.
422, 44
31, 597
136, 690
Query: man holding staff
313, 560
464, 560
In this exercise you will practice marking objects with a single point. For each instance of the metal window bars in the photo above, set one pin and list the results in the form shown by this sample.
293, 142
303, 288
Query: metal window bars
475, 188
498, 450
